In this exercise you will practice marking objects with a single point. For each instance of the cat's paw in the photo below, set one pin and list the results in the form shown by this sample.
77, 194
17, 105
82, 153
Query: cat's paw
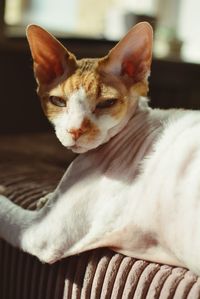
50, 256
43, 200
2, 189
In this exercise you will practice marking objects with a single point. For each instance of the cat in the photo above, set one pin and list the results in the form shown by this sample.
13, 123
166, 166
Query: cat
135, 187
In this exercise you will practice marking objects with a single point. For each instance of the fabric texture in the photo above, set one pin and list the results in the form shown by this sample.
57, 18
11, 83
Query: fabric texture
30, 167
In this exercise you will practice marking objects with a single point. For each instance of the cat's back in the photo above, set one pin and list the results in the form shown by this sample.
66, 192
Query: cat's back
181, 129
172, 170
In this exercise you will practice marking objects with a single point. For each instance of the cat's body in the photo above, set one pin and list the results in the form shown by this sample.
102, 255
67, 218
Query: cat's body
138, 192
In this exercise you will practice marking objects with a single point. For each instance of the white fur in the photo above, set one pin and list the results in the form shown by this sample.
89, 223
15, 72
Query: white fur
72, 117
139, 194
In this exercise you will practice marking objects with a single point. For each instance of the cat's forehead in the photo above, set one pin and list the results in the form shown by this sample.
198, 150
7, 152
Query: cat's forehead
87, 65
86, 77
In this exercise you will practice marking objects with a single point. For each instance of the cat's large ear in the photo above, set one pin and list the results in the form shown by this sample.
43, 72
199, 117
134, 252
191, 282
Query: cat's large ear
51, 59
131, 57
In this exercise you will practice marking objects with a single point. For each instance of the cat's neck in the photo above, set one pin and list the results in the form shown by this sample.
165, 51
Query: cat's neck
121, 157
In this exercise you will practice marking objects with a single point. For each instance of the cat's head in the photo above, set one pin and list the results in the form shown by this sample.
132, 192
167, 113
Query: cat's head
90, 100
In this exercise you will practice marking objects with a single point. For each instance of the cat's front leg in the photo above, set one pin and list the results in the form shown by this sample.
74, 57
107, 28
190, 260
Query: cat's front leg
41, 233
56, 230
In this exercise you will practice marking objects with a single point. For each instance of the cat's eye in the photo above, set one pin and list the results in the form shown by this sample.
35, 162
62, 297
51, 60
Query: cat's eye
57, 101
106, 103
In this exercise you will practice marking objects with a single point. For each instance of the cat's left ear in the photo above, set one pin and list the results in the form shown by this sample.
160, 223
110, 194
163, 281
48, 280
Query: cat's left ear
50, 58
131, 57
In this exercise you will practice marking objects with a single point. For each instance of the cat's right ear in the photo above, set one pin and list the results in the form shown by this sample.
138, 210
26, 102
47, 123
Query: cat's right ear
51, 59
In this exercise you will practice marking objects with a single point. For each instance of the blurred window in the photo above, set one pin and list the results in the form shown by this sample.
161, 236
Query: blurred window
77, 17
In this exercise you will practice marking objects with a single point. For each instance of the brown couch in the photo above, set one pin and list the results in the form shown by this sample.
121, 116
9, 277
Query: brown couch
31, 166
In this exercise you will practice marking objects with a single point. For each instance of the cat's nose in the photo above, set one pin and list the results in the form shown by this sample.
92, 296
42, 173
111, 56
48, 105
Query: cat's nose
76, 133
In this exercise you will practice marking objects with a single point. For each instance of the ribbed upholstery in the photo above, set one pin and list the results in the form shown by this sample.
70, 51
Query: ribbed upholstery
96, 274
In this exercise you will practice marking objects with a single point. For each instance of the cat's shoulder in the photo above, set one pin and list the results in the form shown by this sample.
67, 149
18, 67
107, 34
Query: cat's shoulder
177, 125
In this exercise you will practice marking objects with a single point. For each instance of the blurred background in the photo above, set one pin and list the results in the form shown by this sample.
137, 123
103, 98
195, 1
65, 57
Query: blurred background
176, 22
90, 29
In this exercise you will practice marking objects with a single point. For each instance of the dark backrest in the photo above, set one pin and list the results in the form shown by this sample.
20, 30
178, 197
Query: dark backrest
172, 83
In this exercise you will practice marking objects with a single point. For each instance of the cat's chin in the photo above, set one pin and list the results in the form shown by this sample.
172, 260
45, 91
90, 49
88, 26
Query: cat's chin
77, 149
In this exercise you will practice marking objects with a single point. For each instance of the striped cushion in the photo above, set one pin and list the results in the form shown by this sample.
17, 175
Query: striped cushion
95, 274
